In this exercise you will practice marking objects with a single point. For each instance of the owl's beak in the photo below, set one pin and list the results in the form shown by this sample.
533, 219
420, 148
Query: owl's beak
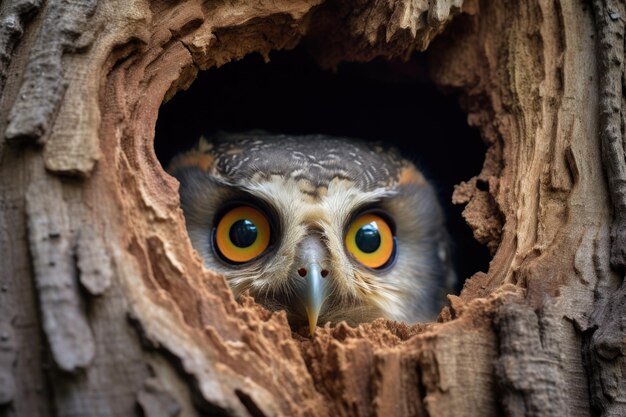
314, 294
311, 277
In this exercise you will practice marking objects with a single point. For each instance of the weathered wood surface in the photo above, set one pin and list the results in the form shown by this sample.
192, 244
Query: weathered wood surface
105, 310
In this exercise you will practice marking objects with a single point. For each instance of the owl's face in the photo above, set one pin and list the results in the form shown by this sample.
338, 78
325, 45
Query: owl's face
327, 229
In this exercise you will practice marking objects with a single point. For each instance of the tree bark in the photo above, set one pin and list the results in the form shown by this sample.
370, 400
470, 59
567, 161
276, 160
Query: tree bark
105, 310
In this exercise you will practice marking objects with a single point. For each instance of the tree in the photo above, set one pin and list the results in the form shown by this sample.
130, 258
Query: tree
105, 309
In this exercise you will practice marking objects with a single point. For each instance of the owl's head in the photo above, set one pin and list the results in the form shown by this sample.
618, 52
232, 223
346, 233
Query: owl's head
327, 229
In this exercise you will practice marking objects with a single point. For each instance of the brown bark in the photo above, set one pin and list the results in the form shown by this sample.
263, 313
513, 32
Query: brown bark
105, 309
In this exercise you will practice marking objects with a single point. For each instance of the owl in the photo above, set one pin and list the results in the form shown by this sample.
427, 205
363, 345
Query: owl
325, 228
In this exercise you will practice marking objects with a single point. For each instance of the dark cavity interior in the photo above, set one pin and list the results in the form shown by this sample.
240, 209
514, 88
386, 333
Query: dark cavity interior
378, 101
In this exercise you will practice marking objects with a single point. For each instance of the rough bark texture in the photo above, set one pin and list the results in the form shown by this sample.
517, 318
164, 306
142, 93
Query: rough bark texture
105, 310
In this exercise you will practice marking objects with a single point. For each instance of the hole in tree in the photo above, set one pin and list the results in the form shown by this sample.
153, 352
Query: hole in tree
382, 100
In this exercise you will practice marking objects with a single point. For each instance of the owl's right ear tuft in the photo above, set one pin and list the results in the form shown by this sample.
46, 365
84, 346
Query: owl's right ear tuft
203, 145
199, 156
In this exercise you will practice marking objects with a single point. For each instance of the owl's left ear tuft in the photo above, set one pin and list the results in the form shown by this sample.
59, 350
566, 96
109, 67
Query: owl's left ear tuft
199, 156
410, 175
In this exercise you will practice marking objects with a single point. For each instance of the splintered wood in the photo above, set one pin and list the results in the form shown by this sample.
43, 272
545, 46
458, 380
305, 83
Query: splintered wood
97, 271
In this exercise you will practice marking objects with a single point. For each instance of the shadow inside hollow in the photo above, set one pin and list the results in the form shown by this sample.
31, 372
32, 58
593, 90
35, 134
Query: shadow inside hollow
382, 100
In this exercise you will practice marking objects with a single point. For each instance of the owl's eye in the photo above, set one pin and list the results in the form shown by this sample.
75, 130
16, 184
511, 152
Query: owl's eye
370, 241
242, 234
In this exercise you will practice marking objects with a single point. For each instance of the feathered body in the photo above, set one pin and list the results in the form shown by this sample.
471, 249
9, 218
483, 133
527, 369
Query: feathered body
311, 188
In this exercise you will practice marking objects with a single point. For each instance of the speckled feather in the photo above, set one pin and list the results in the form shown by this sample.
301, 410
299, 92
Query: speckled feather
240, 157
315, 185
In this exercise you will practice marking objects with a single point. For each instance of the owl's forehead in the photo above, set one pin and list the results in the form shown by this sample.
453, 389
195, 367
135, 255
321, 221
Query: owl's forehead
313, 160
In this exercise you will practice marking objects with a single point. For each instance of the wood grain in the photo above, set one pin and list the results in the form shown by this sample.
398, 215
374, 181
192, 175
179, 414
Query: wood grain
107, 311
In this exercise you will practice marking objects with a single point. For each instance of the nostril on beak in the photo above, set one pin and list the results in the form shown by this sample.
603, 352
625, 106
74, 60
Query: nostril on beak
324, 273
302, 272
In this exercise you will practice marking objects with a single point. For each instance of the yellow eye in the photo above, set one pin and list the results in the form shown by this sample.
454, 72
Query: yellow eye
242, 234
370, 241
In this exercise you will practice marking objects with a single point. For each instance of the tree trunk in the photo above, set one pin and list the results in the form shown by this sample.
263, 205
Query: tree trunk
106, 311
